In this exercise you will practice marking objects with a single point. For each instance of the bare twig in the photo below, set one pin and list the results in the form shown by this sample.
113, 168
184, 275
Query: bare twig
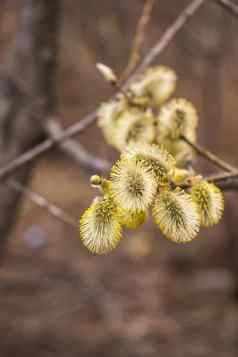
76, 150
42, 202
71, 147
89, 119
45, 147
229, 6
169, 35
210, 156
139, 39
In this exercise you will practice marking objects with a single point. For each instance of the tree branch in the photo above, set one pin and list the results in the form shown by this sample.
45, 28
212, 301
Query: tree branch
229, 5
75, 150
139, 39
53, 209
208, 155
226, 181
169, 35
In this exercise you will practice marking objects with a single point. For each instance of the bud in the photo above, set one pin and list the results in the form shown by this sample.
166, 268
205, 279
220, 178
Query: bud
96, 180
107, 73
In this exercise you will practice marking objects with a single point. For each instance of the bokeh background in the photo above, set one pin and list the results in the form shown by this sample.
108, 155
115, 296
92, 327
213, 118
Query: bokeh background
150, 297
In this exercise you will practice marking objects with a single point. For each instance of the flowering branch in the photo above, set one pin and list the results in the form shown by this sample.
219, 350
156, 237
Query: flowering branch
89, 119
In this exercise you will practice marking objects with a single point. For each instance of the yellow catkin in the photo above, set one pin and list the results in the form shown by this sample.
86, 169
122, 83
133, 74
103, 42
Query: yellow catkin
133, 186
177, 117
156, 85
154, 158
210, 202
176, 215
134, 126
100, 229
132, 220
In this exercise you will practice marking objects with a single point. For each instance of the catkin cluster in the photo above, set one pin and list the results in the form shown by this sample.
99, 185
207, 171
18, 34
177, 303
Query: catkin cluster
153, 174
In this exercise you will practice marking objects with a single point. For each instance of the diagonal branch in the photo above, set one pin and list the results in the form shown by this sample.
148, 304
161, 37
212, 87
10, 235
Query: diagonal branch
53, 209
169, 35
229, 6
208, 155
75, 150
139, 39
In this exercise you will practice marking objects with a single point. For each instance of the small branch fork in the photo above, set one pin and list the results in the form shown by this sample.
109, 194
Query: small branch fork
139, 39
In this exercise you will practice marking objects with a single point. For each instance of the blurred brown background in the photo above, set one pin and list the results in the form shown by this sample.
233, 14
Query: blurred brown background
150, 297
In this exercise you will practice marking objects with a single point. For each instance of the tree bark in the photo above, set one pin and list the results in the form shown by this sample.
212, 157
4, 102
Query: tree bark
32, 69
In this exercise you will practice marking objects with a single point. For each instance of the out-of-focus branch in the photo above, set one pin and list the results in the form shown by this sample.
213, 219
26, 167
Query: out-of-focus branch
208, 155
138, 39
75, 150
89, 119
53, 129
53, 209
169, 35
229, 6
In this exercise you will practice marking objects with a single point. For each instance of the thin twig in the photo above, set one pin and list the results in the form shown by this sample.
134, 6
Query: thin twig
89, 119
42, 202
229, 6
41, 149
76, 150
169, 35
210, 156
71, 147
139, 39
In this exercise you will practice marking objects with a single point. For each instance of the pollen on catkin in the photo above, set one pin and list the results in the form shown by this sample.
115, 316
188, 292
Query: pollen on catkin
133, 185
100, 229
132, 220
210, 202
176, 215
154, 158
